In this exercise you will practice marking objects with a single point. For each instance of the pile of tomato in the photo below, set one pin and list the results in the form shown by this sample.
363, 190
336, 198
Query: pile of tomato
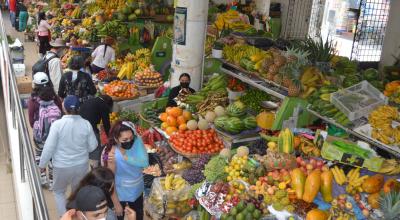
197, 141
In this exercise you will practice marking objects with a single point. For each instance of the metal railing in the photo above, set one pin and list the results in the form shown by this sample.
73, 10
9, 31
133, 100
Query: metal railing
29, 171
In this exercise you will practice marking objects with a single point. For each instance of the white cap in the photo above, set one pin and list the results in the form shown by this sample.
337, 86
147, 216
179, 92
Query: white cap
40, 78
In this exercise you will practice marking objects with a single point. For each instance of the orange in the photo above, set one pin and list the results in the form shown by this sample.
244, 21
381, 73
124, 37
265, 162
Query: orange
168, 110
182, 127
187, 115
163, 117
176, 112
181, 120
171, 121
170, 130
164, 125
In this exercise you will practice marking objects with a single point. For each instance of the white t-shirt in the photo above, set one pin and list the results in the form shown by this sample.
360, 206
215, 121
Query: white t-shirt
55, 70
100, 59
43, 28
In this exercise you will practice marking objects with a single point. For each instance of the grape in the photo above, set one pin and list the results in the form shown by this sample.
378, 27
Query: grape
258, 147
193, 176
201, 162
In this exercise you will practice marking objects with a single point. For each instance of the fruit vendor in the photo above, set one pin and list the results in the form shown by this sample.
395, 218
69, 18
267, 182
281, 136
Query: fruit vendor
182, 89
126, 156
102, 55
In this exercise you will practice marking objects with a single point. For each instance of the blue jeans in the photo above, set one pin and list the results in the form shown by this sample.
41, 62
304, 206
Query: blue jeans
12, 18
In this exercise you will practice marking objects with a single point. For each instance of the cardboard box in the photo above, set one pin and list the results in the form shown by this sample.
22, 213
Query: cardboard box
24, 84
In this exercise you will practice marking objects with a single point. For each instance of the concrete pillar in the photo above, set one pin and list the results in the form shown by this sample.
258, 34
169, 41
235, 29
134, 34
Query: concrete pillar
188, 47
391, 44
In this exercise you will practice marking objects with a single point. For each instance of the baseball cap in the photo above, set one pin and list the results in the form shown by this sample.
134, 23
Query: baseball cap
71, 102
40, 78
88, 199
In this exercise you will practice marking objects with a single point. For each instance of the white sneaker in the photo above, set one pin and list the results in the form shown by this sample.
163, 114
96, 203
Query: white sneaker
50, 185
43, 179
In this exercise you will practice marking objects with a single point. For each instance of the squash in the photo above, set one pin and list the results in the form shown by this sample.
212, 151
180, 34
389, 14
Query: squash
373, 184
265, 120
219, 111
298, 180
191, 125
203, 124
210, 116
317, 214
326, 185
373, 200
187, 115
312, 185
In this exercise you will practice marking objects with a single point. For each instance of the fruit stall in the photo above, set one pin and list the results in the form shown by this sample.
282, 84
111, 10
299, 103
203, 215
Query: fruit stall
279, 130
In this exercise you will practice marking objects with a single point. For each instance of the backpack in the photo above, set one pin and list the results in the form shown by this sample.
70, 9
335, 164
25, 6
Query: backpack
48, 113
42, 65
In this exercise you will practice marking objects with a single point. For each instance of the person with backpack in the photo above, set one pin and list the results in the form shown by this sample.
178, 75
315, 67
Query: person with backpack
40, 82
48, 113
126, 155
68, 145
102, 55
97, 110
76, 82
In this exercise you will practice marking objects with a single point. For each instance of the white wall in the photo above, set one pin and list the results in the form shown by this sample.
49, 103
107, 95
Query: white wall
392, 40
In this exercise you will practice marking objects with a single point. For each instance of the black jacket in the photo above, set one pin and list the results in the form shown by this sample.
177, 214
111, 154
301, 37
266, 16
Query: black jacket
94, 110
83, 86
174, 93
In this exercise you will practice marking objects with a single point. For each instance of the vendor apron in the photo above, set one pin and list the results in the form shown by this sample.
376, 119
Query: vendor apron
128, 179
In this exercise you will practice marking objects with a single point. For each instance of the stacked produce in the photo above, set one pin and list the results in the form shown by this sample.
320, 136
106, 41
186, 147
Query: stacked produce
253, 98
236, 119
149, 78
129, 115
195, 173
381, 120
114, 117
134, 63
121, 89
216, 84
197, 142
231, 19
174, 119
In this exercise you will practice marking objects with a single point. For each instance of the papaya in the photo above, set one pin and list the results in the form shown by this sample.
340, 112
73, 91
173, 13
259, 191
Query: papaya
326, 185
391, 185
312, 185
285, 141
373, 184
317, 214
298, 179
373, 200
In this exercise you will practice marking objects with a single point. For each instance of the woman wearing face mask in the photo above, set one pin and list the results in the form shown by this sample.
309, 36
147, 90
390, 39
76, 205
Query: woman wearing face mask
182, 89
126, 156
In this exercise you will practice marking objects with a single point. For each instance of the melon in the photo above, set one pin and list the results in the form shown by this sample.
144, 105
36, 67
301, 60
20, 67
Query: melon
219, 111
210, 116
191, 125
203, 124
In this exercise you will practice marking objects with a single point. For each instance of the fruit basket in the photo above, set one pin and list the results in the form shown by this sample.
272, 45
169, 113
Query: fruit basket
359, 100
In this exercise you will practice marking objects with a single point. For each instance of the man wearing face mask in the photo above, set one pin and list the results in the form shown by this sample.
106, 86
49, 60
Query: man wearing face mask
54, 65
182, 90
68, 144
97, 110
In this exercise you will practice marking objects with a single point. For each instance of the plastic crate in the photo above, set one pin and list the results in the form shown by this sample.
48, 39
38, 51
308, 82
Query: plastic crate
359, 100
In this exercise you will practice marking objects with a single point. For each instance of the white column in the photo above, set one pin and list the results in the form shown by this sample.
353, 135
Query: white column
188, 56
391, 43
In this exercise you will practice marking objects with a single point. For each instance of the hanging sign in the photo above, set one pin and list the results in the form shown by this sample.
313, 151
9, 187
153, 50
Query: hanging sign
180, 21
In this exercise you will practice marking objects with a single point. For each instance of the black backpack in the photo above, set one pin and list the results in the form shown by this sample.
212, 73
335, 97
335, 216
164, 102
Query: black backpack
42, 65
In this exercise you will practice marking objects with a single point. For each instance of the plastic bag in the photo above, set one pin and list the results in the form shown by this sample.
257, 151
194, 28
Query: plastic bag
276, 160
169, 202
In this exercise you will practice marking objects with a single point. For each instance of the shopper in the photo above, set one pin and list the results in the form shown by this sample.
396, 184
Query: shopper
48, 113
126, 156
40, 81
76, 82
97, 110
43, 32
57, 50
12, 5
68, 144
103, 178
183, 87
90, 204
22, 13
102, 55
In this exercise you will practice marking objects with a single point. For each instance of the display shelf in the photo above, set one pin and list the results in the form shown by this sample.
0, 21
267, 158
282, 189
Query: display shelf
361, 136
261, 84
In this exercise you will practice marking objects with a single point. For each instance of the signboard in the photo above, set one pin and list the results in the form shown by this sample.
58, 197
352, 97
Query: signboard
180, 21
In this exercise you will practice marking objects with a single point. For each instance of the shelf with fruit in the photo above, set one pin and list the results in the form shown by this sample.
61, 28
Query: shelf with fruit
121, 90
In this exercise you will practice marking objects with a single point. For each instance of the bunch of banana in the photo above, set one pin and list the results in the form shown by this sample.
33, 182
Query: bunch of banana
224, 19
127, 71
355, 181
173, 182
339, 175
390, 167
312, 77
76, 13
66, 22
87, 22
381, 121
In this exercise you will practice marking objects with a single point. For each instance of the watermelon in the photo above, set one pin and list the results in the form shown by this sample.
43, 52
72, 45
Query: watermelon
250, 122
220, 121
236, 109
234, 125
132, 17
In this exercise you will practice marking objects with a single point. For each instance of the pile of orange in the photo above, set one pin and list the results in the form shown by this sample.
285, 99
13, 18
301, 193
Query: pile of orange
121, 89
174, 119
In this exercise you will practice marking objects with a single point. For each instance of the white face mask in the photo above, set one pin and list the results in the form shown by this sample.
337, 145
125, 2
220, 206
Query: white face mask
88, 219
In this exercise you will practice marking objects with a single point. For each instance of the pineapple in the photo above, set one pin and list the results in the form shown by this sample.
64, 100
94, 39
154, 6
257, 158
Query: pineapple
268, 61
297, 56
279, 60
270, 76
273, 69
390, 205
294, 88
286, 80
278, 79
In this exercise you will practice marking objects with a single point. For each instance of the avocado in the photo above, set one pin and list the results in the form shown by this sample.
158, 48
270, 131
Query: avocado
233, 211
250, 207
240, 216
240, 206
257, 214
